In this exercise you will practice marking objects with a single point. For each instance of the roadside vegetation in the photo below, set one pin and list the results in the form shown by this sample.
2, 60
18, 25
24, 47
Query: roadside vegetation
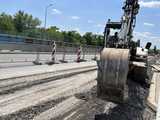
25, 24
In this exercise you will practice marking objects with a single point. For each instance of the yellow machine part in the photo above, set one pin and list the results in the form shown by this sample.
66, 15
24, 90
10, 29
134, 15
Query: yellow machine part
113, 69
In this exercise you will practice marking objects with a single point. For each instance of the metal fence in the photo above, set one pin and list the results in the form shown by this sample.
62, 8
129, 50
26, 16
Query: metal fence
63, 50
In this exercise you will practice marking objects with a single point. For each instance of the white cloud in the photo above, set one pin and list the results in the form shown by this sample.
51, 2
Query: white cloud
147, 37
90, 21
149, 24
142, 34
99, 25
150, 4
71, 28
56, 11
75, 17
76, 29
79, 30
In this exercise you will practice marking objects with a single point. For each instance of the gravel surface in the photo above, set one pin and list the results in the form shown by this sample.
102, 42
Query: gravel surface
28, 101
134, 108
30, 113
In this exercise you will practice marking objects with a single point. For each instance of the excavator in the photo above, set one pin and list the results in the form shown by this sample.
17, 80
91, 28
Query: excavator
121, 56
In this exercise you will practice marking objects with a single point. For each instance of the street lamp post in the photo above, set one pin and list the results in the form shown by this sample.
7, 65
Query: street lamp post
46, 11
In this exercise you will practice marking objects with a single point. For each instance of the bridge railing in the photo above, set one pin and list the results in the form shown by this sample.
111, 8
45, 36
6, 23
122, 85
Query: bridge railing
10, 44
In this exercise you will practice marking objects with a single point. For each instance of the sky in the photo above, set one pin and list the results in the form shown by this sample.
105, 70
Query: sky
90, 15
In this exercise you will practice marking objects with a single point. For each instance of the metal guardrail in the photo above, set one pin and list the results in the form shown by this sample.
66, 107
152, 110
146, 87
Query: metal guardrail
12, 42
37, 46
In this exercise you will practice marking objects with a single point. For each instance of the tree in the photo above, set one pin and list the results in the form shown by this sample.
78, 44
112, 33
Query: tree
6, 23
36, 33
72, 36
54, 33
19, 21
100, 40
25, 24
24, 21
88, 38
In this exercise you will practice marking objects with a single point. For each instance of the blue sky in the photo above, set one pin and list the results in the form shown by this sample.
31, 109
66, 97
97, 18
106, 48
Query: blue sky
90, 15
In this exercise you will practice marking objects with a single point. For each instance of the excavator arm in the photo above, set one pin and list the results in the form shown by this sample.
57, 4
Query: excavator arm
125, 26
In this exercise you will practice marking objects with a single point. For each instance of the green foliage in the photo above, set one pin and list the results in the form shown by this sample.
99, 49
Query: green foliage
88, 38
24, 21
26, 25
54, 33
35, 33
100, 40
93, 39
6, 23
73, 37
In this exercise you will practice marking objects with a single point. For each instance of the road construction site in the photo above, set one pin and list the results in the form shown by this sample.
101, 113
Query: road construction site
68, 92
47, 73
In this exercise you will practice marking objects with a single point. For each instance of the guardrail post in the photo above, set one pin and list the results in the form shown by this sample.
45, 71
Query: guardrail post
83, 53
64, 55
95, 55
37, 60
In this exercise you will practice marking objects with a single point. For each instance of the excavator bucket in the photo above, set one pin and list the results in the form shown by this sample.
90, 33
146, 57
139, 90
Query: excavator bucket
112, 74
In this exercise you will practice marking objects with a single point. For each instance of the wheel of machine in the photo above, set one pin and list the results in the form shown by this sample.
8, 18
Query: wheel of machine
112, 74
